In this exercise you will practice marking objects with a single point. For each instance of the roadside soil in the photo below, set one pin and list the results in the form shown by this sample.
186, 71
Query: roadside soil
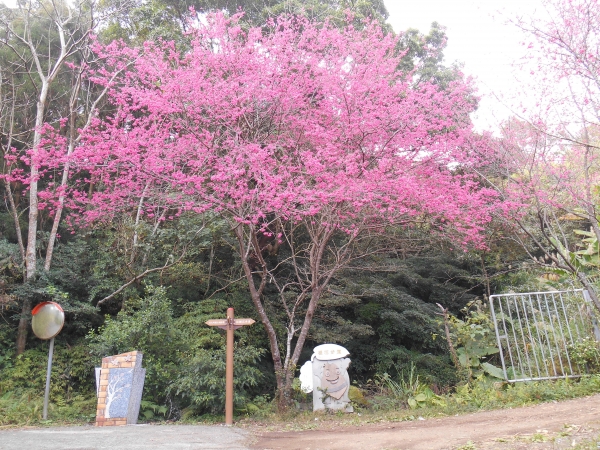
556, 425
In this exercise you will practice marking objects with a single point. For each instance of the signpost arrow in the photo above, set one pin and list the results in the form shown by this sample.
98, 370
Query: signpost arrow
230, 324
216, 322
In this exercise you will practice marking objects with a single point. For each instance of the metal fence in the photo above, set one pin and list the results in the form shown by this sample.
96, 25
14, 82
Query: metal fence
537, 333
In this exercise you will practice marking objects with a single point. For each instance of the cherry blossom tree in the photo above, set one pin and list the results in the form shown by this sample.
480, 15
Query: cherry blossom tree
305, 138
551, 165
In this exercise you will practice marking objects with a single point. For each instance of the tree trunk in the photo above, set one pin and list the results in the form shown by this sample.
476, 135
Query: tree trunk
255, 295
73, 35
30, 252
590, 288
23, 327
65, 178
15, 216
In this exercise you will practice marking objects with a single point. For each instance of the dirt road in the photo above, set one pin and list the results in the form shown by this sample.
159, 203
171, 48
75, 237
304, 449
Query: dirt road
548, 426
560, 425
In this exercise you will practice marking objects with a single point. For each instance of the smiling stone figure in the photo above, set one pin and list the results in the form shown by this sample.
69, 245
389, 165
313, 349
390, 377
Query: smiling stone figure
330, 378
332, 383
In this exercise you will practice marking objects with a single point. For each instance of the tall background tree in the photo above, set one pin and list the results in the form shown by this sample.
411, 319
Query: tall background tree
46, 50
551, 150
136, 21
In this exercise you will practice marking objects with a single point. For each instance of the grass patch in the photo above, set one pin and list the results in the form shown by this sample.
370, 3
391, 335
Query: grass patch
479, 395
25, 407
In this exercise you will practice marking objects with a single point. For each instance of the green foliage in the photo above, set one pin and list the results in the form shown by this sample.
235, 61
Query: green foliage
7, 341
475, 341
398, 304
335, 11
409, 389
147, 326
138, 21
151, 410
590, 254
10, 262
425, 54
357, 396
72, 372
27, 372
21, 408
484, 393
585, 352
25, 407
260, 406
72, 392
184, 359
203, 380
585, 260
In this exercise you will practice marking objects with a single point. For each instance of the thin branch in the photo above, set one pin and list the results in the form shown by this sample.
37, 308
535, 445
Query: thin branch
148, 271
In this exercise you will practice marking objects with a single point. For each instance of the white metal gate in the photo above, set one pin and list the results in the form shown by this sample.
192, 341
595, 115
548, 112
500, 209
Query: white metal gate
537, 331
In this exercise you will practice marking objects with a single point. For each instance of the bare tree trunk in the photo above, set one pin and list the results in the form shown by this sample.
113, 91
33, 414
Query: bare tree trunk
256, 294
23, 326
453, 353
486, 278
11, 201
210, 264
65, 175
15, 216
30, 252
590, 288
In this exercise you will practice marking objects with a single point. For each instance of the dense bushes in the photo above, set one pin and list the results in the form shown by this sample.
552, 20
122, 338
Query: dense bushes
22, 382
378, 316
184, 359
384, 311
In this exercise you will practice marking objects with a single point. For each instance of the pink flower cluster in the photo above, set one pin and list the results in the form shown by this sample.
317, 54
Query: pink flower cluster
301, 120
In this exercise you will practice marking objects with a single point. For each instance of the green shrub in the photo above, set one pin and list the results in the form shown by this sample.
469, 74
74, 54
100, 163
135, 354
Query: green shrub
72, 392
21, 407
409, 390
484, 393
475, 341
184, 358
147, 326
72, 372
585, 352
202, 381
357, 396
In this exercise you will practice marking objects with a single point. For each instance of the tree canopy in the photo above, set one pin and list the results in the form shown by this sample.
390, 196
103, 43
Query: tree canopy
303, 135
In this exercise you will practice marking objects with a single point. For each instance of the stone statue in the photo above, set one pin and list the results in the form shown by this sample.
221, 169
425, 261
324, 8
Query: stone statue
326, 375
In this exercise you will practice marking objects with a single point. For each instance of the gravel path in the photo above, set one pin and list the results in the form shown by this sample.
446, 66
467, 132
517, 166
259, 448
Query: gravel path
132, 437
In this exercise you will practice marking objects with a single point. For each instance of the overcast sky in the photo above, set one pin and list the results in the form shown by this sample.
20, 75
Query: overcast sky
478, 36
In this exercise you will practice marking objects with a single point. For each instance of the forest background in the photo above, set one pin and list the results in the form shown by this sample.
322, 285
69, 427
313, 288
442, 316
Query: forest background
141, 264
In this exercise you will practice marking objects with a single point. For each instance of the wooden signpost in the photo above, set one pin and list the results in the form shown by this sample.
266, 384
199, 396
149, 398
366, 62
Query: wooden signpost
229, 324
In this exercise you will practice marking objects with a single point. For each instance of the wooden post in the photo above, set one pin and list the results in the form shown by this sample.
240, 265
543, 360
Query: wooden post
230, 324
229, 369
